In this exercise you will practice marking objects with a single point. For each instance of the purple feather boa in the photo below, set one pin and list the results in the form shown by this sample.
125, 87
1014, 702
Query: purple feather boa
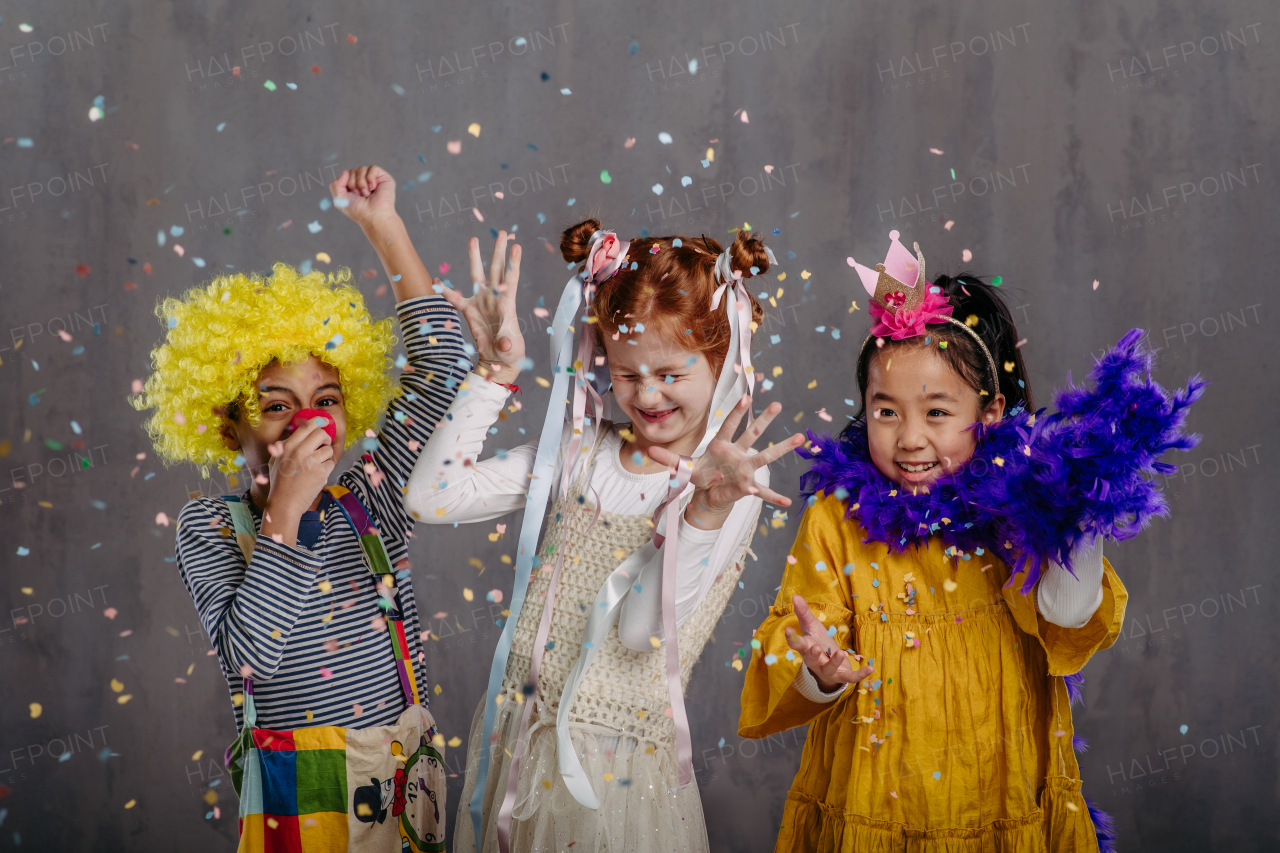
1036, 485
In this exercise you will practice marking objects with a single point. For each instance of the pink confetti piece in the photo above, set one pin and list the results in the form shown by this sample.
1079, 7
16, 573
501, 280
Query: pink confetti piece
110, 613
768, 170
163, 519
631, 141
744, 118
479, 216
947, 227
502, 528
325, 672
246, 671
1095, 284
441, 615
935, 150
454, 146
966, 256
178, 250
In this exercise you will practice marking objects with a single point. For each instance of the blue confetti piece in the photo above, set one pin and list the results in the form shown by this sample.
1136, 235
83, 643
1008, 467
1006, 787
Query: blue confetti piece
398, 89
198, 262
848, 568
565, 92
173, 322
571, 201
721, 739
177, 230
78, 350
1183, 728
23, 551
831, 632
315, 227
25, 142
875, 582
937, 774
221, 126
770, 660
664, 138
820, 566
435, 128
634, 48
304, 268
97, 504
325, 204
777, 231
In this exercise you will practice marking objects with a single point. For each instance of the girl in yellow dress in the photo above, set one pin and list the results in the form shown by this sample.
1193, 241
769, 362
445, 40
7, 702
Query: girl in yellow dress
954, 733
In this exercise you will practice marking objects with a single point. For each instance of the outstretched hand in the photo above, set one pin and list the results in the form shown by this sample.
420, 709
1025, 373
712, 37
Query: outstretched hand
491, 311
830, 666
726, 473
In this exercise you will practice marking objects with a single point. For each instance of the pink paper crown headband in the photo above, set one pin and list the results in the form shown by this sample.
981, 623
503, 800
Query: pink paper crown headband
901, 310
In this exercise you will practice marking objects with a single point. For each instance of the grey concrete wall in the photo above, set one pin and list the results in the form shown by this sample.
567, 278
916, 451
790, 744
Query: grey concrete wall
1131, 143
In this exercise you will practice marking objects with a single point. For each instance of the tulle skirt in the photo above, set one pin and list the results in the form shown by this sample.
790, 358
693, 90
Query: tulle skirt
641, 809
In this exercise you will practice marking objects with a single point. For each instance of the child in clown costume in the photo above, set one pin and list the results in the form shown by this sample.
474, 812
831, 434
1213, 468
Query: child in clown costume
951, 550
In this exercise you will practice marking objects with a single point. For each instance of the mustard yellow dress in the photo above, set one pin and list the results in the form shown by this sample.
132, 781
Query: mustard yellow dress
957, 745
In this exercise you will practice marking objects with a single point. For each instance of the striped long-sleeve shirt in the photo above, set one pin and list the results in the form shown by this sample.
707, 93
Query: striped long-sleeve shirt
311, 645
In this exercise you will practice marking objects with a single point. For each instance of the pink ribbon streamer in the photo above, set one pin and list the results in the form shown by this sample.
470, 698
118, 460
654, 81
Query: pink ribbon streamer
670, 631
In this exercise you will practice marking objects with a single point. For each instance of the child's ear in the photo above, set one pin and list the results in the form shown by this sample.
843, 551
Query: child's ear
994, 412
229, 437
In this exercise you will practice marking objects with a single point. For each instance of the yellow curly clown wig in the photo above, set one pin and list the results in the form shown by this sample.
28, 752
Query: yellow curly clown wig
221, 335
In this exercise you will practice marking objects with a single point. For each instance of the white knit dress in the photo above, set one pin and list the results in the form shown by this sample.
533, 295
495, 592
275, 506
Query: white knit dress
625, 742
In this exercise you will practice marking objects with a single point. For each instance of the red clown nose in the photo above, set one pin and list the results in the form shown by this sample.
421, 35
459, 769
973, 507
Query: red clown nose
305, 415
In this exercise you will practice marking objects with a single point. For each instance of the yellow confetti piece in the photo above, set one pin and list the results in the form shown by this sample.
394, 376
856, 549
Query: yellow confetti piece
133, 803
237, 699
323, 257
777, 371
473, 129
999, 461
325, 586
782, 276
191, 669
455, 741
310, 716
439, 689
642, 714
737, 664
195, 756
123, 699
813, 384
116, 685
275, 633
45, 504
36, 709
655, 642
544, 383
805, 274
362, 810
26, 590
711, 155
546, 783
949, 585
475, 563
210, 797
1070, 805
440, 511
438, 740
608, 777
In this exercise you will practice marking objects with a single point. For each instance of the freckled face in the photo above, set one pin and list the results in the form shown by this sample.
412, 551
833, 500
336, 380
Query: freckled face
919, 411
284, 390
663, 387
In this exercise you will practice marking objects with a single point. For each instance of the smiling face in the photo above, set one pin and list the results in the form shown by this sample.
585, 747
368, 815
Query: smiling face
284, 390
664, 388
919, 410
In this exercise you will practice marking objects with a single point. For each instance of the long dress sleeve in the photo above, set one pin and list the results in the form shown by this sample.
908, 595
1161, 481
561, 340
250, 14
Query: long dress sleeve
450, 482
1069, 649
770, 702
702, 557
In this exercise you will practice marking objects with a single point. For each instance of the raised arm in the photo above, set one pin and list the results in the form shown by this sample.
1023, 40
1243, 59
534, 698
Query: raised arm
367, 195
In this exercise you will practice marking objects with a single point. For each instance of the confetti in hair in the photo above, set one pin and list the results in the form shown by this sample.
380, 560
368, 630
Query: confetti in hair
221, 335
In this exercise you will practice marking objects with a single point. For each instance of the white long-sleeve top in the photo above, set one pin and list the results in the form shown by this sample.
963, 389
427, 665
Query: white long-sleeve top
451, 484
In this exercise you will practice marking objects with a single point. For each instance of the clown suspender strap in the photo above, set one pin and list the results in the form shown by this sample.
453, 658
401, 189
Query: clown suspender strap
378, 563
